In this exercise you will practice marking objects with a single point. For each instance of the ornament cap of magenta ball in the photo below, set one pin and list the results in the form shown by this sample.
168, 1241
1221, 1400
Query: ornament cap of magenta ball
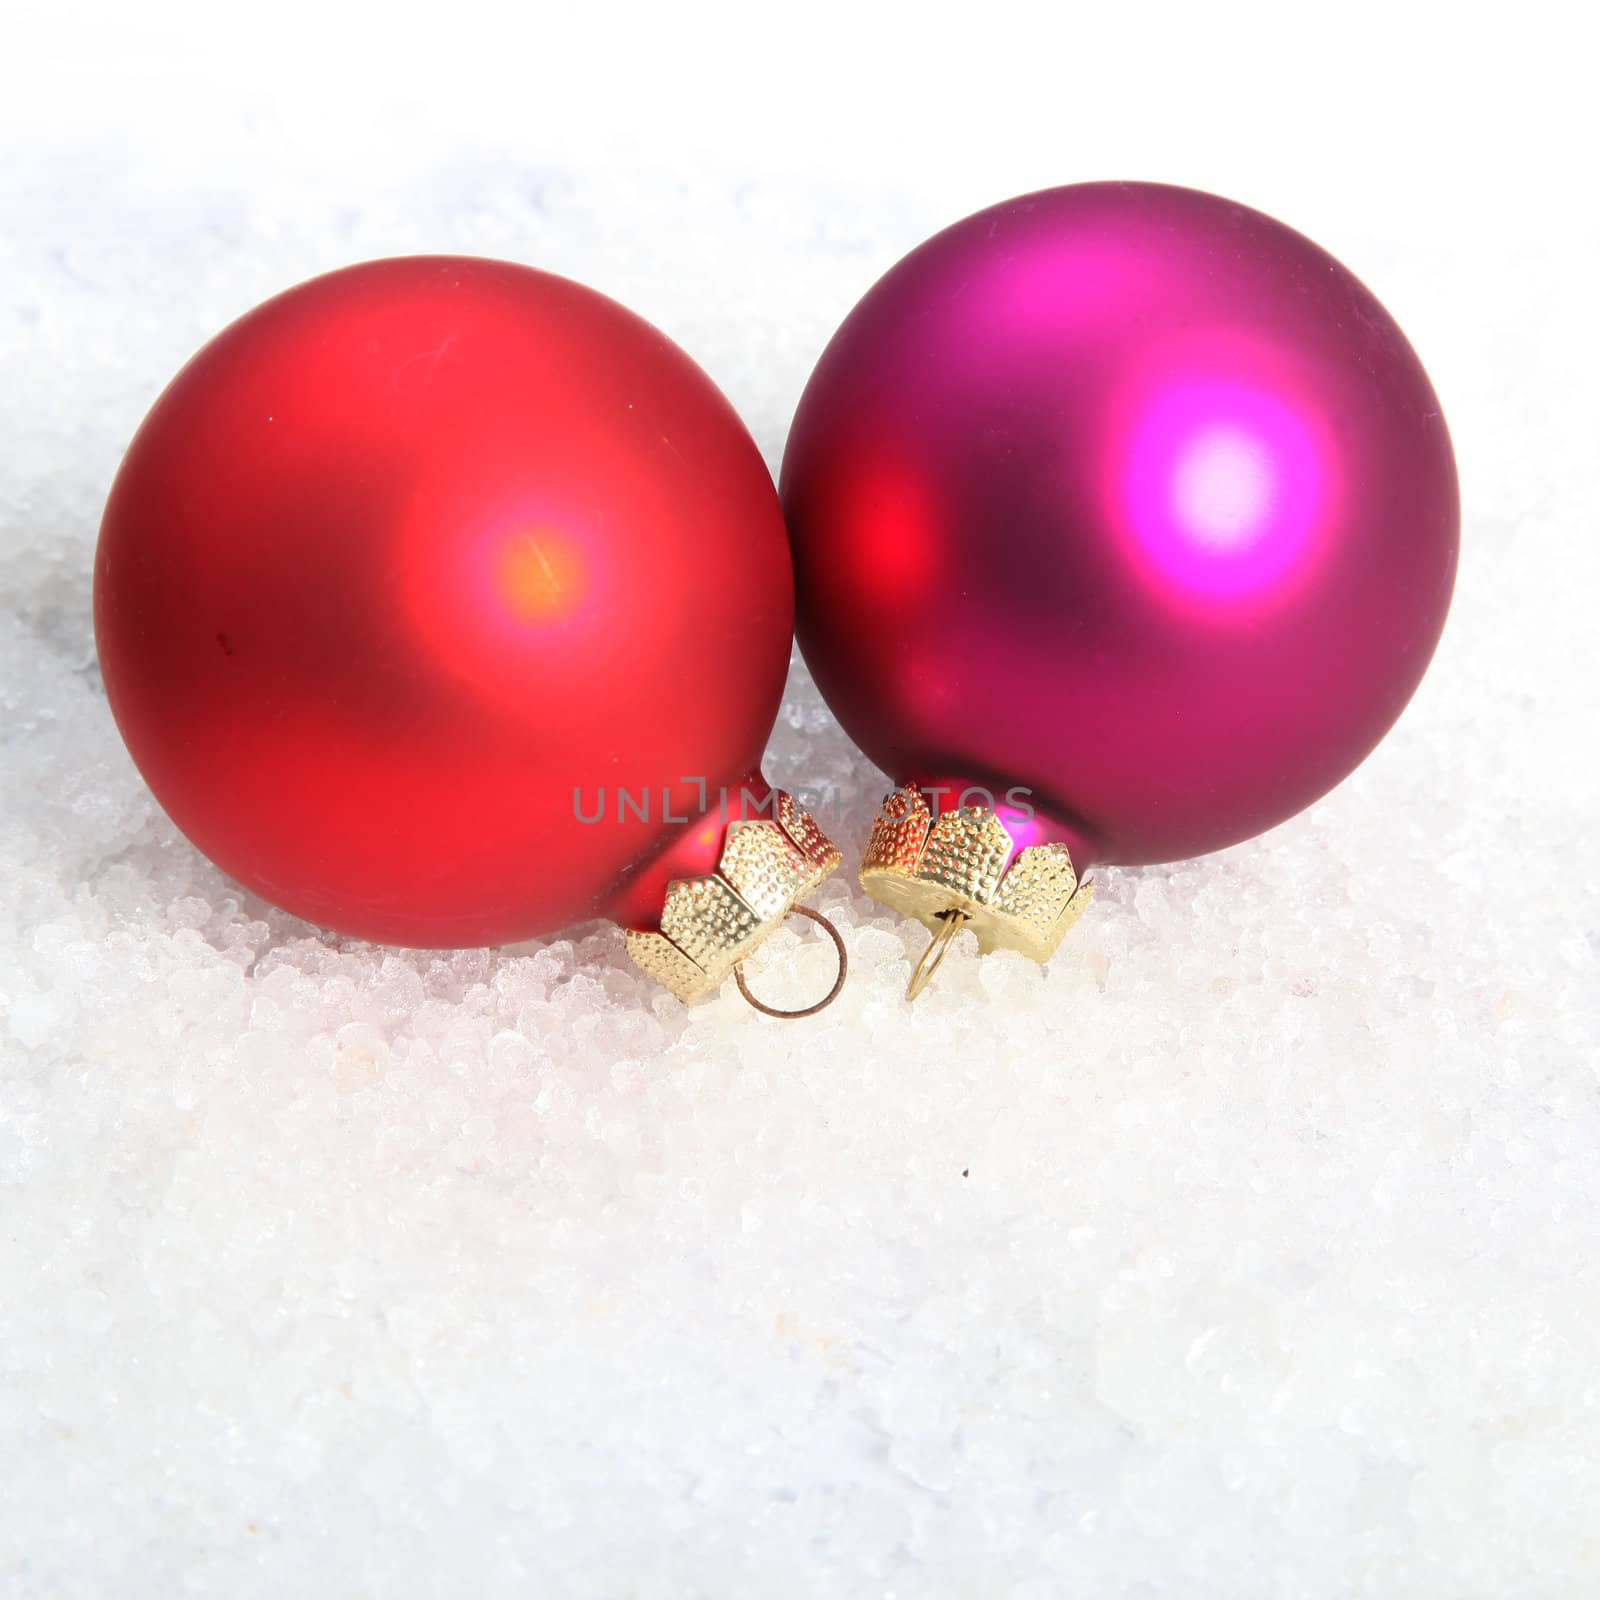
442, 601
1125, 524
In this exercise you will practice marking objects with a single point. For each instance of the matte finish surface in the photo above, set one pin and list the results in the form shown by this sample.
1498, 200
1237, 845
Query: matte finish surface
1129, 496
412, 553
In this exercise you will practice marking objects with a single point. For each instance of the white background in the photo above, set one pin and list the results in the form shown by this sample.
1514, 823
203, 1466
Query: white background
1249, 1249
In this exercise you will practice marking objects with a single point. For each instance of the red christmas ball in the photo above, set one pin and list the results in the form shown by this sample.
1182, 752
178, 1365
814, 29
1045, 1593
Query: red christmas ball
437, 598
1129, 503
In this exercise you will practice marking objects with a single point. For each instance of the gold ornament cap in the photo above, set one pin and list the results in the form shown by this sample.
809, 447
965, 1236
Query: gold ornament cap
965, 870
710, 924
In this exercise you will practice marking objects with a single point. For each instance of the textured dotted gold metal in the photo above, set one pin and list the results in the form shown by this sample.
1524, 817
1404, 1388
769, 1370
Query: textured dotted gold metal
709, 925
966, 862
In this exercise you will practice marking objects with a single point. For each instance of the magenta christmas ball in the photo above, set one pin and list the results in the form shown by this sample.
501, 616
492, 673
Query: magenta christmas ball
1127, 500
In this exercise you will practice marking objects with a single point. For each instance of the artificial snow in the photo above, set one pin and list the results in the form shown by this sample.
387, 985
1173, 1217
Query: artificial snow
1248, 1249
